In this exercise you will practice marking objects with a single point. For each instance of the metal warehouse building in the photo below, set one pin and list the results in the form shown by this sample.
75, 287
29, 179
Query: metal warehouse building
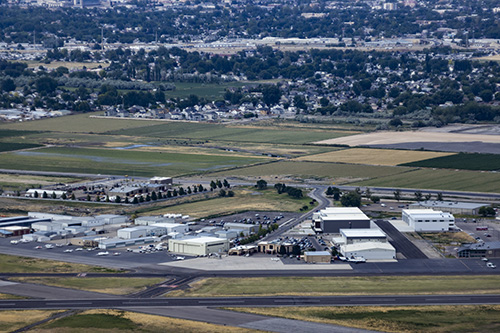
428, 220
198, 246
332, 219
454, 207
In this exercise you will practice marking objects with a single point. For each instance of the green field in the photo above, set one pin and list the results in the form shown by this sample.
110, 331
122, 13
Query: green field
215, 132
475, 181
463, 161
428, 319
8, 133
315, 286
340, 173
245, 199
10, 146
121, 162
210, 91
107, 285
14, 264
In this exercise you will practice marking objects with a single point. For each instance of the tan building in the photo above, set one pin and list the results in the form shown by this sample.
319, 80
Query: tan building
313, 257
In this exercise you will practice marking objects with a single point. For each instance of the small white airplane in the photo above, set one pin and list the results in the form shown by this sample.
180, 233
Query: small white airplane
180, 258
103, 253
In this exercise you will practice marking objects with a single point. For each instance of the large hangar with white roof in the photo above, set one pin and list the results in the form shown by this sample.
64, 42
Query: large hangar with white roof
332, 219
198, 246
428, 220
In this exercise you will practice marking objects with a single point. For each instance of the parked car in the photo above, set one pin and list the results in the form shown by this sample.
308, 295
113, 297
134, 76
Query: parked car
491, 265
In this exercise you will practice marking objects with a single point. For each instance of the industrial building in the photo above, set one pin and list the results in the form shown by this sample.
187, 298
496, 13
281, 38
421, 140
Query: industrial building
479, 250
148, 220
428, 220
141, 231
370, 244
369, 250
453, 207
173, 227
198, 246
313, 257
332, 219
247, 229
112, 243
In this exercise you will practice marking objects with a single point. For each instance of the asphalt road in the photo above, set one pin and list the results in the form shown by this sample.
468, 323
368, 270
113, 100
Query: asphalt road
402, 244
250, 301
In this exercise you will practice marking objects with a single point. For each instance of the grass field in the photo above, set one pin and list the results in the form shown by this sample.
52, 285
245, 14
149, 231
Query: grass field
107, 285
448, 238
210, 91
108, 321
474, 181
14, 264
78, 123
435, 319
216, 132
11, 321
243, 200
315, 286
339, 173
463, 161
8, 133
389, 157
121, 162
10, 146
67, 64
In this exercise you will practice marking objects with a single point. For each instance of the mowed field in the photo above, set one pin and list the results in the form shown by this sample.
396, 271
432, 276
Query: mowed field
390, 157
460, 180
215, 132
341, 173
121, 162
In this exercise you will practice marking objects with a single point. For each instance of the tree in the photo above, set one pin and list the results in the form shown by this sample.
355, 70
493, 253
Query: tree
45, 85
418, 196
396, 122
486, 211
63, 196
135, 201
45, 195
8, 85
213, 185
428, 196
271, 94
189, 190
88, 197
282, 250
296, 250
201, 188
375, 199
230, 194
336, 194
107, 198
222, 193
54, 195
118, 199
154, 197
261, 184
397, 195
127, 200
226, 183
368, 193
73, 196
219, 183
35, 195
350, 199
439, 196
182, 191
148, 197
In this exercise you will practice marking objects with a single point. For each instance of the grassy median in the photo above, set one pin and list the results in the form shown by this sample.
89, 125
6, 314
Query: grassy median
439, 318
318, 286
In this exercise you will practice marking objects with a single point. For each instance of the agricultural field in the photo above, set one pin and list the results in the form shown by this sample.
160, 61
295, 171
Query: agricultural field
107, 285
293, 170
8, 133
246, 199
216, 132
459, 180
319, 286
389, 157
78, 123
11, 146
67, 64
15, 182
111, 321
411, 319
210, 91
121, 162
14, 264
463, 161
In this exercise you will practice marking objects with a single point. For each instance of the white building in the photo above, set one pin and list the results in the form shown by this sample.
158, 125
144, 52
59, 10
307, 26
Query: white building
369, 250
198, 246
172, 227
148, 220
370, 244
332, 219
140, 231
428, 220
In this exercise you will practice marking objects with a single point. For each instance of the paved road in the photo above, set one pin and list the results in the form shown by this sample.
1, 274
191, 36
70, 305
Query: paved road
400, 242
249, 301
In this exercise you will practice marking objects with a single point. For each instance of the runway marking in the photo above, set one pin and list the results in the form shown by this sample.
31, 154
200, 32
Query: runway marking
146, 302
284, 301
69, 304
373, 300
223, 302
7, 304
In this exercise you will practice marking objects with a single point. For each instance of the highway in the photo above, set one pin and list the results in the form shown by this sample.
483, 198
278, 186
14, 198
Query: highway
249, 301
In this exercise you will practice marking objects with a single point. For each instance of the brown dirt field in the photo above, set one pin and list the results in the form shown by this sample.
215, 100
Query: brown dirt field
389, 157
384, 138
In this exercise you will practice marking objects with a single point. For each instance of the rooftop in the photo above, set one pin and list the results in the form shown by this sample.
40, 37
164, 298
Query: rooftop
450, 204
342, 213
357, 233
426, 213
317, 253
368, 246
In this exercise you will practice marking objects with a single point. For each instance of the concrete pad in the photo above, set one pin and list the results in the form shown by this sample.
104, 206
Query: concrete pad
401, 226
6, 283
236, 263
289, 325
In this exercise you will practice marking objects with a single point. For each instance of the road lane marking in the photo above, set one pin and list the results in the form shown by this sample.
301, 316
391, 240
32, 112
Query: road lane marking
69, 303
222, 302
